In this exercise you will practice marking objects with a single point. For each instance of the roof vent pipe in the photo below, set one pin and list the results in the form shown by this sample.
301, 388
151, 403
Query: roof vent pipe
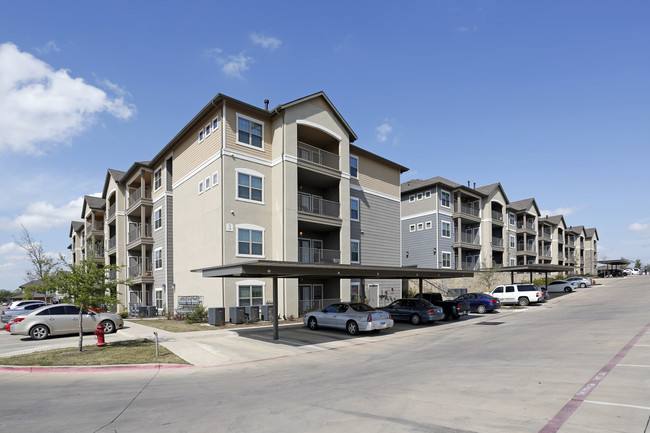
474, 185
266, 104
468, 184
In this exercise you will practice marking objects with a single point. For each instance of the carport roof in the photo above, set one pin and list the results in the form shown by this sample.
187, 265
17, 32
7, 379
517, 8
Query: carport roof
541, 268
616, 262
271, 268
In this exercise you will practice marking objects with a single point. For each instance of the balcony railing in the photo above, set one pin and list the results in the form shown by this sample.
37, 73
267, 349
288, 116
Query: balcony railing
468, 238
470, 265
317, 255
136, 195
317, 156
497, 242
99, 225
496, 215
111, 211
467, 209
137, 270
136, 233
526, 247
317, 205
314, 305
546, 252
529, 225
112, 242
96, 250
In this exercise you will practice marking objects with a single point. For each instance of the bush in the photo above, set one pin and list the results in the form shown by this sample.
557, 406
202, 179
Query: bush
124, 314
198, 315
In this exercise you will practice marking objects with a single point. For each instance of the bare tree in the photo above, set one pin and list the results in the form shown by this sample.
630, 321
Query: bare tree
42, 264
488, 275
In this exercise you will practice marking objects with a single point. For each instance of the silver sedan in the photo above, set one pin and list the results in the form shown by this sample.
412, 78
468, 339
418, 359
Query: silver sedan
62, 319
354, 317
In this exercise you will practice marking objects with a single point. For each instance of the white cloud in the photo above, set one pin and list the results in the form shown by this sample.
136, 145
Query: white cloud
42, 215
562, 211
40, 106
639, 227
10, 248
48, 48
382, 131
235, 65
267, 42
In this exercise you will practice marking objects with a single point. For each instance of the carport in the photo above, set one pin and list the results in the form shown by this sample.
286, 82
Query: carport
535, 268
277, 269
614, 264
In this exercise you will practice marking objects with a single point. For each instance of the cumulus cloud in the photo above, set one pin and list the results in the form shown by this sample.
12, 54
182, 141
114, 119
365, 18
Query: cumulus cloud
562, 210
383, 131
42, 215
40, 106
639, 227
233, 66
267, 42
48, 48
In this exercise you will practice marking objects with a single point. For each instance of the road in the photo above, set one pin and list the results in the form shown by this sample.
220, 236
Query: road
580, 363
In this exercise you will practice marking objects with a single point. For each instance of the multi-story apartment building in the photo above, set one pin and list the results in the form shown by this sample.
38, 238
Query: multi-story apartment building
591, 251
574, 252
557, 227
525, 213
77, 242
240, 183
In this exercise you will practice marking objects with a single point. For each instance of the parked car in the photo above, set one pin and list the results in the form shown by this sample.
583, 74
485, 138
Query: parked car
611, 273
21, 310
62, 319
452, 309
582, 281
16, 304
561, 286
545, 297
520, 294
354, 317
415, 311
480, 302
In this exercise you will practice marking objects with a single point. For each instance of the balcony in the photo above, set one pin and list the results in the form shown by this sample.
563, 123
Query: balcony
96, 251
544, 234
137, 196
467, 209
526, 248
470, 265
318, 206
317, 255
112, 211
468, 238
138, 234
317, 156
112, 243
546, 252
98, 226
139, 271
497, 242
497, 216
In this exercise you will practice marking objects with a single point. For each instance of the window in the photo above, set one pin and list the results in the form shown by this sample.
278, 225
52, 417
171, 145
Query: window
158, 258
428, 225
444, 198
215, 123
215, 179
412, 228
157, 219
411, 198
420, 226
354, 167
201, 187
355, 256
249, 187
208, 129
250, 242
159, 299
354, 209
427, 194
512, 241
446, 229
157, 179
250, 294
249, 132
513, 262
512, 219
207, 183
446, 259
201, 135
420, 196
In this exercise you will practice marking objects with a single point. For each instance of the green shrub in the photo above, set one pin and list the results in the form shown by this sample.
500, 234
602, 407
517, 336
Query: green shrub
124, 314
198, 315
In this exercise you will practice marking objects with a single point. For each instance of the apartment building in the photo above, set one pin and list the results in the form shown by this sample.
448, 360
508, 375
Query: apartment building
557, 227
591, 250
240, 183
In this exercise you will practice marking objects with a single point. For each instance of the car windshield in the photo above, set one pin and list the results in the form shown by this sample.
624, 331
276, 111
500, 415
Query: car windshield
361, 307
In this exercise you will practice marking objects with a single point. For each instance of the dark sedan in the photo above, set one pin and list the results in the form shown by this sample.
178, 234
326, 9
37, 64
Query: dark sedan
480, 302
415, 311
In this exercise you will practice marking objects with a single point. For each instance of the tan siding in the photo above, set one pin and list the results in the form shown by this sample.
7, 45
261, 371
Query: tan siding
189, 154
378, 177
231, 132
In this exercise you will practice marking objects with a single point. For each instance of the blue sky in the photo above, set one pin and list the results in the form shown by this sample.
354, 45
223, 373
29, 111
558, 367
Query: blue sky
552, 99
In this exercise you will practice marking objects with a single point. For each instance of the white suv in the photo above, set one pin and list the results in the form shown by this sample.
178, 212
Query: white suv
521, 294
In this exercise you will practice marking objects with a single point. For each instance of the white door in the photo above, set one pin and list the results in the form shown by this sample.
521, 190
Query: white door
304, 250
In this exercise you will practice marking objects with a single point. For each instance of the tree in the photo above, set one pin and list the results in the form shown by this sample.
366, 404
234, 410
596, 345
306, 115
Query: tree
42, 264
488, 276
87, 285
638, 264
5, 295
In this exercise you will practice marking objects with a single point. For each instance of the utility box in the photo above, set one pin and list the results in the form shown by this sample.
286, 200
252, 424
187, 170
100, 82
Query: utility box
217, 316
252, 312
267, 312
237, 315
152, 311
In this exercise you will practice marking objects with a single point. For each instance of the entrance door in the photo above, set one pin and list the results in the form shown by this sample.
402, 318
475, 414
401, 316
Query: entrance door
317, 247
304, 250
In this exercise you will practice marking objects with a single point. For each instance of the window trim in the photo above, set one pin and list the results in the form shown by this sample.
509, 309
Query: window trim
208, 183
411, 198
155, 264
358, 243
215, 178
513, 241
411, 227
442, 229
427, 194
420, 226
442, 259
428, 225
250, 227
158, 170
356, 158
355, 199
201, 187
250, 119
443, 192
249, 173
252, 283
215, 123
154, 219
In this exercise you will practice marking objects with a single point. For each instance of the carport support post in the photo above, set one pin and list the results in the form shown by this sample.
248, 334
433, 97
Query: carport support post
275, 309
420, 285
512, 277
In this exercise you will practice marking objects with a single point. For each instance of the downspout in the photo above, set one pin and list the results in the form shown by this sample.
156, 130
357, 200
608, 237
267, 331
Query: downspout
284, 215
223, 225
438, 228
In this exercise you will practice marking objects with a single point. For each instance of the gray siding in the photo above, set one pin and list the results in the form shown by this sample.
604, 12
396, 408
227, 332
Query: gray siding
420, 244
379, 222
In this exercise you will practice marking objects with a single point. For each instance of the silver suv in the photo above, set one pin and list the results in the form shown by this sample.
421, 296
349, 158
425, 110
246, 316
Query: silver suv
520, 294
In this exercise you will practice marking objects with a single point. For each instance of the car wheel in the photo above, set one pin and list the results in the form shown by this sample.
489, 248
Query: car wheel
481, 309
39, 332
109, 327
415, 319
568, 289
523, 302
352, 327
583, 285
312, 323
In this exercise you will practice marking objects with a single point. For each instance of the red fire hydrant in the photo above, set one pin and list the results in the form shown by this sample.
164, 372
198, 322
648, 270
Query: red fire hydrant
99, 333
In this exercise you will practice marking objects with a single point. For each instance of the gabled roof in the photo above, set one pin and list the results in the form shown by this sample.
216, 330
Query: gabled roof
75, 226
488, 190
415, 184
117, 175
93, 203
554, 219
591, 233
576, 229
524, 205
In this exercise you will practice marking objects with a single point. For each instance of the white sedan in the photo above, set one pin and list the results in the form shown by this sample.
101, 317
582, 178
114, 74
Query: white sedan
561, 286
354, 317
581, 281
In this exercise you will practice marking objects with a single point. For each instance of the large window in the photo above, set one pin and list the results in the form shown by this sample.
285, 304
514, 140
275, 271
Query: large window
446, 229
250, 242
512, 219
354, 167
157, 179
446, 259
159, 299
158, 261
249, 132
355, 255
250, 294
444, 198
249, 187
157, 219
354, 209
512, 241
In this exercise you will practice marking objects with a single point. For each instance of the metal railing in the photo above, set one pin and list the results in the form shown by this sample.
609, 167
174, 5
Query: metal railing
529, 225
112, 242
111, 211
318, 156
317, 255
467, 209
314, 305
546, 252
99, 225
497, 242
317, 205
496, 215
528, 248
137, 195
137, 270
470, 265
136, 233
468, 238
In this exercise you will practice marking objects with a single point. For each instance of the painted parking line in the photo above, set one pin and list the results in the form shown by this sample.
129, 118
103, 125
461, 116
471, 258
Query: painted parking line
567, 411
618, 404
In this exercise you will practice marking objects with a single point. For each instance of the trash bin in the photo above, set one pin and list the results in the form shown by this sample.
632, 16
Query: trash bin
217, 316
152, 311
252, 312
267, 312
142, 311
237, 315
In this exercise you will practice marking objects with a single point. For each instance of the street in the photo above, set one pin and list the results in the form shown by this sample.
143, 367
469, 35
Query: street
580, 363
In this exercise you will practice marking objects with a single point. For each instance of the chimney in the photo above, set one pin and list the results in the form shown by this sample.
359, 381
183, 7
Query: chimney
468, 184
266, 104
474, 185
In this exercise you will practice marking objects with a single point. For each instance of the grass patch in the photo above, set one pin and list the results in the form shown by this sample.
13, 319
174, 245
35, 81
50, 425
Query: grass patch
118, 353
174, 325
